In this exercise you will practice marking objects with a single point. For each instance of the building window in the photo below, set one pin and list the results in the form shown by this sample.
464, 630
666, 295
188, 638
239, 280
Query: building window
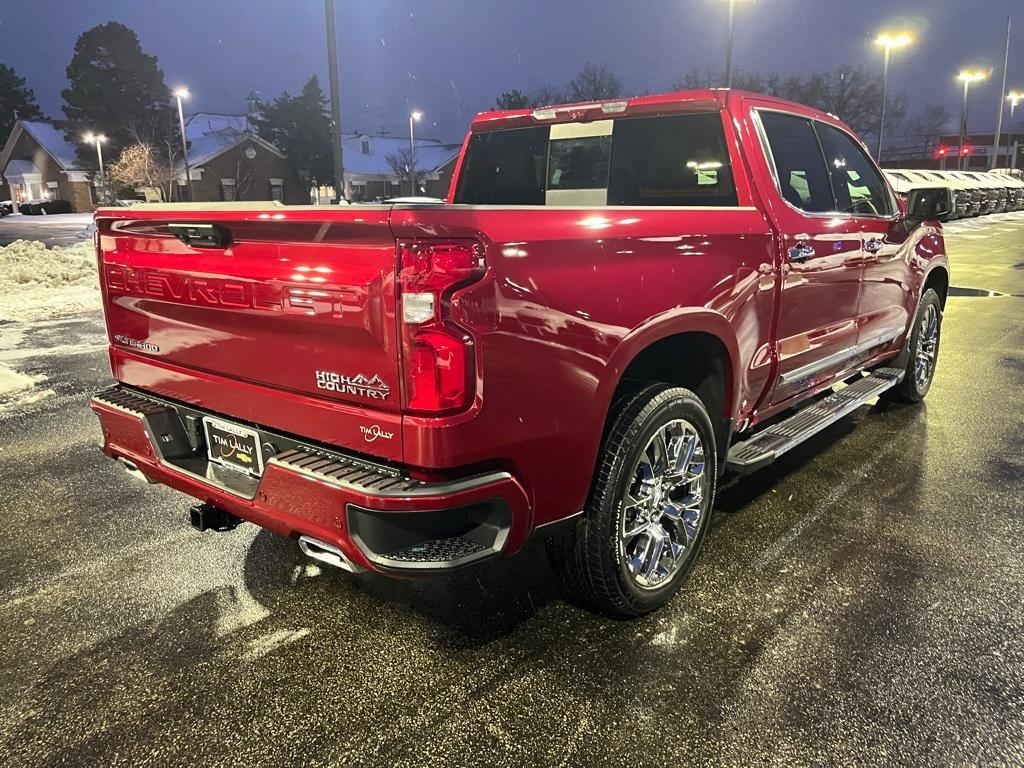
227, 190
277, 189
51, 190
365, 146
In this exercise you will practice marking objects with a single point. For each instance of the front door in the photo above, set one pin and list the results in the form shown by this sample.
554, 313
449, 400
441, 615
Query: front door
886, 299
821, 258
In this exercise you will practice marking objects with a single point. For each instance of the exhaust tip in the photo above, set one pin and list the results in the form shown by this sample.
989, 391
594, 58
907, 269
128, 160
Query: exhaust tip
326, 553
133, 469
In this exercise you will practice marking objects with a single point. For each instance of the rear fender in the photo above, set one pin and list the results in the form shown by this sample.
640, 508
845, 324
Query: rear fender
671, 323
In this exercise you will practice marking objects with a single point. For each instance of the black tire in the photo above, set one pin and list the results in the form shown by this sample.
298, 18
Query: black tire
590, 557
912, 389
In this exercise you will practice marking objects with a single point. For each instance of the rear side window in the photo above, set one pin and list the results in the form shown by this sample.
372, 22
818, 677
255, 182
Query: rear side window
505, 167
857, 183
671, 160
799, 166
677, 160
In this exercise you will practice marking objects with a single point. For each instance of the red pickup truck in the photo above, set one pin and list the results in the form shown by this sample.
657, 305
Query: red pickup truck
618, 303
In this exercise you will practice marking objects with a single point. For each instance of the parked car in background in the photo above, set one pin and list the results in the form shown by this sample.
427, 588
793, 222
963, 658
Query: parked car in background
903, 182
1014, 189
993, 193
964, 200
6, 207
966, 194
618, 303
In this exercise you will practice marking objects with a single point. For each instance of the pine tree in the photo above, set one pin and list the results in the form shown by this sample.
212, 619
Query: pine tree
115, 89
300, 126
15, 99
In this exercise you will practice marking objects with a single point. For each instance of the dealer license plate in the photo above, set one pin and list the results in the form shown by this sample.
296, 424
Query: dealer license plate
233, 446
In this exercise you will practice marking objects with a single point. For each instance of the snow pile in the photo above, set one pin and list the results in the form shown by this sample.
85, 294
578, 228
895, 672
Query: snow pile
38, 283
18, 389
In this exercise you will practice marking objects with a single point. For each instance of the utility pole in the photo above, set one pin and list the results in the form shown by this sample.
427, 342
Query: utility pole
1002, 90
332, 64
729, 44
179, 94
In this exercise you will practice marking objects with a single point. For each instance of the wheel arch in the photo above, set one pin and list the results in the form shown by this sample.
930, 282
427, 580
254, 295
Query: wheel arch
660, 351
938, 280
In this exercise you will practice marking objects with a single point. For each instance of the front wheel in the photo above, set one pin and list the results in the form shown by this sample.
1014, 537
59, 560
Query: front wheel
649, 505
924, 351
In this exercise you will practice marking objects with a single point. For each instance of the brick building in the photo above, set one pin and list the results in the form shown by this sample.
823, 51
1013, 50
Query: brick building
228, 161
369, 174
37, 163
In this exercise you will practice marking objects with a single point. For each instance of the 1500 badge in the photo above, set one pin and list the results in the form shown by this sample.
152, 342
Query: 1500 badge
359, 385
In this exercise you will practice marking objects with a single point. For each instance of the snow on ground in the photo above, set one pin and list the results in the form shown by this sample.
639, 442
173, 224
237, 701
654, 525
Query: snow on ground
39, 283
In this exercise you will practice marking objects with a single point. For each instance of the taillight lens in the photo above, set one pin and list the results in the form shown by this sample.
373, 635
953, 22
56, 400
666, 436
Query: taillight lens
437, 353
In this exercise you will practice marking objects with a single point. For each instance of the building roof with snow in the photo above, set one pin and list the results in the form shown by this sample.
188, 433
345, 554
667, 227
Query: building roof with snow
365, 154
211, 134
51, 139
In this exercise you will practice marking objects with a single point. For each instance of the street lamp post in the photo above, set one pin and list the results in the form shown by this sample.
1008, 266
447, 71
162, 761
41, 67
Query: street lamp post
179, 94
413, 118
1014, 97
728, 45
98, 139
888, 42
967, 76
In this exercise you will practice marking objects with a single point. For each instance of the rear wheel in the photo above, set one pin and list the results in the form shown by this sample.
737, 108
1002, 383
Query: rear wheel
649, 506
924, 351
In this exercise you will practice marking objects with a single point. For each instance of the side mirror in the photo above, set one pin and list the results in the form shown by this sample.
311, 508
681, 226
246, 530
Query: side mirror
928, 204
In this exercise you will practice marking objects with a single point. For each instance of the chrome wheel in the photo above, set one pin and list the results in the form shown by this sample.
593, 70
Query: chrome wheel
927, 347
662, 507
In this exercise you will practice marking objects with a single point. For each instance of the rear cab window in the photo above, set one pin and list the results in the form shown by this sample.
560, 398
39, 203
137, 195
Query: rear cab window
664, 160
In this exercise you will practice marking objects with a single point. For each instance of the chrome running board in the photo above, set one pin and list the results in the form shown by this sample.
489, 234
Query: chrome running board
767, 445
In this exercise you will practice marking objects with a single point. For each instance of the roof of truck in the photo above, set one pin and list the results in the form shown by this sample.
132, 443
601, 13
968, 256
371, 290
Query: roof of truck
700, 99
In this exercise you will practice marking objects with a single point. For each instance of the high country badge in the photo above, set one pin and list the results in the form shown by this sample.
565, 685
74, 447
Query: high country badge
359, 385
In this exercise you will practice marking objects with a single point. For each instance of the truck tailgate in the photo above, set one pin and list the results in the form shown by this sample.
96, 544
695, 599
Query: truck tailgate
290, 324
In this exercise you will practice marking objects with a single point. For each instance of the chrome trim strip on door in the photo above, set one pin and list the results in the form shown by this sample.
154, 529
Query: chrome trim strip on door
835, 358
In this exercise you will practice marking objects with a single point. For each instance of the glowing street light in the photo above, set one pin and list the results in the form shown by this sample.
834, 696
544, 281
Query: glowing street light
1015, 98
179, 94
98, 139
889, 42
414, 117
967, 76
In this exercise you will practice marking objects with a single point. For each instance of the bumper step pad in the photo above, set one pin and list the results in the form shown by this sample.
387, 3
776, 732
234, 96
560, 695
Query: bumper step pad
438, 551
766, 446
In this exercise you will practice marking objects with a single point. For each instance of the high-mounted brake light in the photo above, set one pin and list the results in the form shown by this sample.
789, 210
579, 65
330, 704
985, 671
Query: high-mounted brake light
437, 354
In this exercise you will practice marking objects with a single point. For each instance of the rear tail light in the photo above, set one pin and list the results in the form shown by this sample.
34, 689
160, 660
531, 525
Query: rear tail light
437, 353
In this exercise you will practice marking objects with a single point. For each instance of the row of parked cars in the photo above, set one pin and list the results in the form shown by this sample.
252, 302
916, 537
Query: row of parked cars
972, 193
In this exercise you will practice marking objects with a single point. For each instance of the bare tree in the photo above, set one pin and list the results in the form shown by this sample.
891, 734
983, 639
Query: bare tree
401, 164
139, 165
245, 179
545, 96
594, 82
925, 130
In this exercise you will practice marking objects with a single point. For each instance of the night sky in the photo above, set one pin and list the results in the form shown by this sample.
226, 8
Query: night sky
450, 58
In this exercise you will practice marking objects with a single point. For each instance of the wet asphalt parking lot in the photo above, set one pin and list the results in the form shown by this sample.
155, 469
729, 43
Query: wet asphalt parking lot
859, 602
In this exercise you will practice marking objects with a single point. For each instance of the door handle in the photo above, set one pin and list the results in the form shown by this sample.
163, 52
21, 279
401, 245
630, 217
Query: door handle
874, 245
801, 251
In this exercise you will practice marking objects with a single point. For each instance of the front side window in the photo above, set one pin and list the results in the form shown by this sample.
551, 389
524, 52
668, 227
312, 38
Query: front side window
856, 181
667, 160
800, 170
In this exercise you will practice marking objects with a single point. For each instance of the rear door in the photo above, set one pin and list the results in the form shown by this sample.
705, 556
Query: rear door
821, 256
861, 193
